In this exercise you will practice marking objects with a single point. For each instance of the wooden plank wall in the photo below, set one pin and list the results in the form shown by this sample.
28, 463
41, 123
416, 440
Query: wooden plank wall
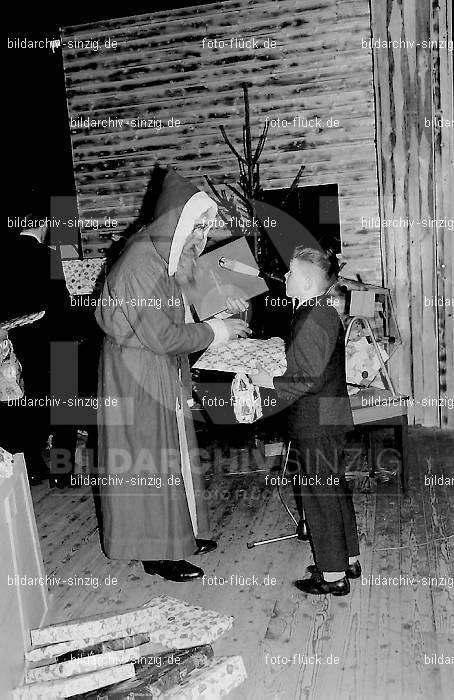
414, 86
443, 110
320, 67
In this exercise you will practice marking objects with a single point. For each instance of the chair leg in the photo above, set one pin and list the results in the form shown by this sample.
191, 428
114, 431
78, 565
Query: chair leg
401, 436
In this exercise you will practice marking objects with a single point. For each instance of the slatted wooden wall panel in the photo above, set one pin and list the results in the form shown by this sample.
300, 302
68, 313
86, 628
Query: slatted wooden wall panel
443, 112
160, 69
414, 87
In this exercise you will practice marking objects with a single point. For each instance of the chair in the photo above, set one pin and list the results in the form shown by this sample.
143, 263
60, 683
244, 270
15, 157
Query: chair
375, 408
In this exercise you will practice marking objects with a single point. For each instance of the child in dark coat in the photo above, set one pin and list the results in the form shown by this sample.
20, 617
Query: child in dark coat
315, 390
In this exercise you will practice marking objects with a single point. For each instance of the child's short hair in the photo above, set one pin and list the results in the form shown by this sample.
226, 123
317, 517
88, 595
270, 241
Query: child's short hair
327, 262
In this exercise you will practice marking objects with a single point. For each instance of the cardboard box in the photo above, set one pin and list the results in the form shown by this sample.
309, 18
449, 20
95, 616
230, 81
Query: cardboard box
215, 284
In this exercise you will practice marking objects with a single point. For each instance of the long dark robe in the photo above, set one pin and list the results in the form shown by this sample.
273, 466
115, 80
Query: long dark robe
142, 352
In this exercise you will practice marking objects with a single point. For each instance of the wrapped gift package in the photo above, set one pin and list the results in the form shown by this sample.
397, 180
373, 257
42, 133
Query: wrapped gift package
104, 650
82, 276
89, 644
185, 625
6, 464
215, 681
96, 626
83, 664
214, 284
68, 687
157, 674
119, 644
243, 355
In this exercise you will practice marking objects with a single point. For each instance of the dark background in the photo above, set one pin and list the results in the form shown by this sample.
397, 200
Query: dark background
38, 135
37, 130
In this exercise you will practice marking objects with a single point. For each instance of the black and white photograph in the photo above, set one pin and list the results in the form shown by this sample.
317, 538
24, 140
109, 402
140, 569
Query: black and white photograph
227, 351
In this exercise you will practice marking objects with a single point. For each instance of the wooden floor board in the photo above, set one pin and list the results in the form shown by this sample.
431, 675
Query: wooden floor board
384, 636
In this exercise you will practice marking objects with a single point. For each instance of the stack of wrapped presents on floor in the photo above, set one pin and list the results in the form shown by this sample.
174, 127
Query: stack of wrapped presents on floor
162, 649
